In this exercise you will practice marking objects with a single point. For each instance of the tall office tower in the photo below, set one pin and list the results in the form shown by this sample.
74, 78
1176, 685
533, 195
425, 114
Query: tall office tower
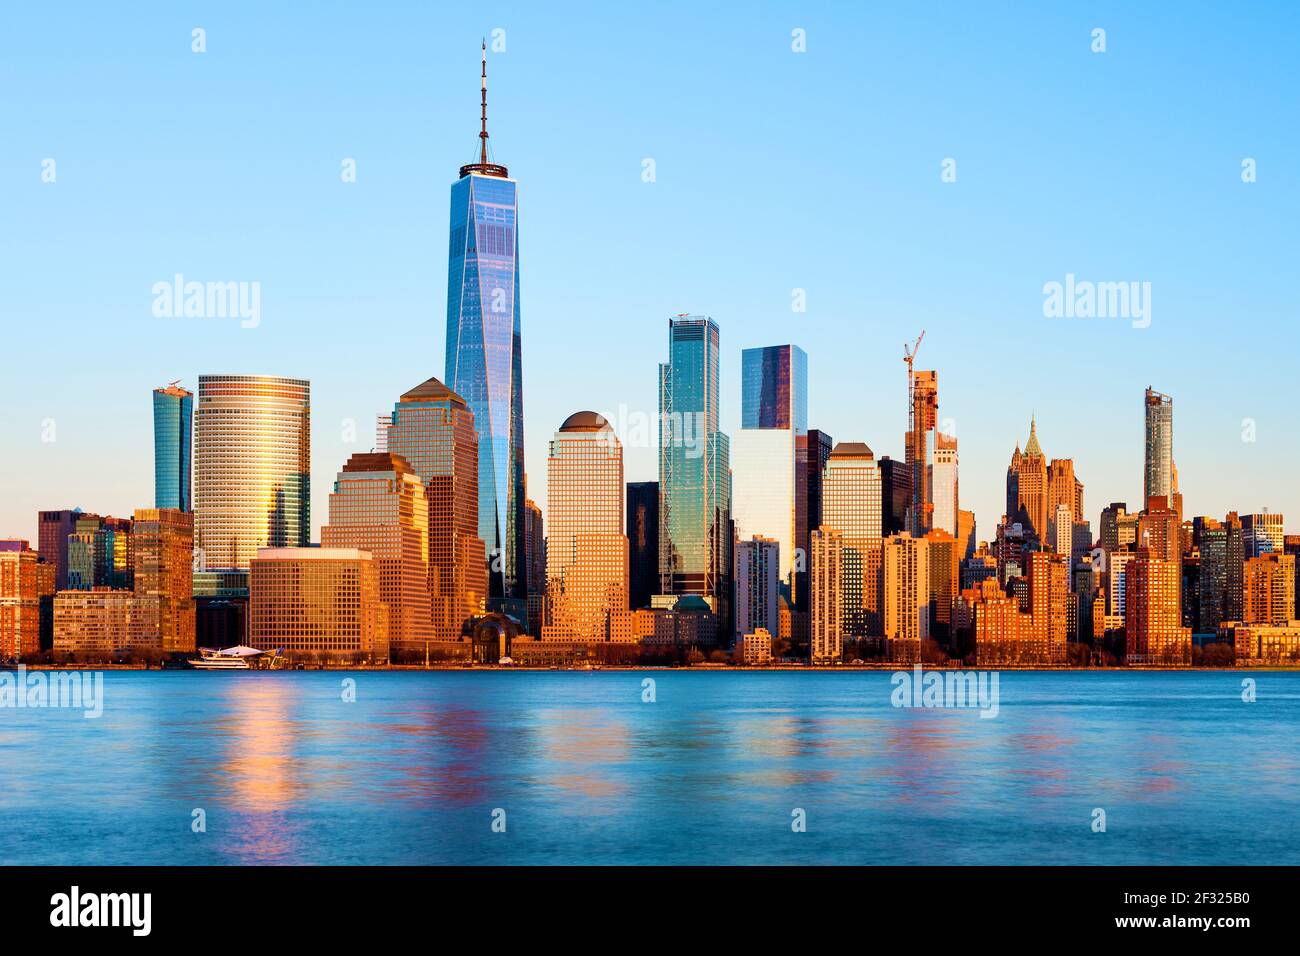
173, 418
321, 601
20, 605
943, 484
53, 528
1233, 567
1158, 476
851, 507
907, 589
1153, 623
966, 540
164, 571
433, 429
825, 561
769, 496
758, 569
1160, 530
484, 357
379, 505
694, 469
816, 451
1049, 591
586, 549
1211, 584
895, 495
252, 467
535, 564
1261, 534
642, 542
1268, 589
944, 582
1027, 491
382, 424
1115, 533
1291, 545
922, 424
1060, 531
1117, 568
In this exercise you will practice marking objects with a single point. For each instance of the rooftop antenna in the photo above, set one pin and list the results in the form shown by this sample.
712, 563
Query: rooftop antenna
483, 134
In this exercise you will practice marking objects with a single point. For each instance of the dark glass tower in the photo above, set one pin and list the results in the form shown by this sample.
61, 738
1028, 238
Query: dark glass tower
642, 542
483, 359
173, 416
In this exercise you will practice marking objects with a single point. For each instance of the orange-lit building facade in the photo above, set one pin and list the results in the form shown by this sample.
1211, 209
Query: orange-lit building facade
433, 429
586, 547
164, 562
1268, 589
317, 601
378, 505
20, 614
1153, 612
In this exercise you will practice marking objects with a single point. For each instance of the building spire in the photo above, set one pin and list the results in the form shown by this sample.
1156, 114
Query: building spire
1032, 448
483, 134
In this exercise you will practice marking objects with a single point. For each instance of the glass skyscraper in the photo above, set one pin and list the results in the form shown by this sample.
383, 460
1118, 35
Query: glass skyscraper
770, 489
173, 415
252, 469
694, 468
1158, 473
483, 360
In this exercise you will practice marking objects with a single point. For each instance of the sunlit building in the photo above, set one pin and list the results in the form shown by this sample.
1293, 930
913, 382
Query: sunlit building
20, 610
1268, 589
758, 585
586, 549
851, 507
320, 602
173, 420
252, 467
379, 506
1153, 623
826, 558
906, 591
164, 554
1158, 471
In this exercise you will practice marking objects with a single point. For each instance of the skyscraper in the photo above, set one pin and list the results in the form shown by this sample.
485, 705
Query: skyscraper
53, 528
694, 469
943, 484
586, 549
851, 507
484, 358
922, 425
379, 505
1262, 534
252, 467
825, 561
163, 546
769, 499
812, 461
1153, 618
433, 430
1158, 474
642, 541
173, 415
757, 585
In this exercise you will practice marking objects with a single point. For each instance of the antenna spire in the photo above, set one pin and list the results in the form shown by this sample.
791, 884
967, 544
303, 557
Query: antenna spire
483, 134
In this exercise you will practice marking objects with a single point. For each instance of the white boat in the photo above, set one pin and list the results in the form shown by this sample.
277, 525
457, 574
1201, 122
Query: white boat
239, 658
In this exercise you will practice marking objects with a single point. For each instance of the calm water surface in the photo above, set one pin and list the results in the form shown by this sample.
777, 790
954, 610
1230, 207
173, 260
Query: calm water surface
411, 772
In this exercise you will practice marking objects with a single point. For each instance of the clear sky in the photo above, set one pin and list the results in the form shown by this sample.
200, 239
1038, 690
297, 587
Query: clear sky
774, 171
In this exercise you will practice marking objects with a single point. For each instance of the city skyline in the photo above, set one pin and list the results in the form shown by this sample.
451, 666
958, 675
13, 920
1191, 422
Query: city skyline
855, 393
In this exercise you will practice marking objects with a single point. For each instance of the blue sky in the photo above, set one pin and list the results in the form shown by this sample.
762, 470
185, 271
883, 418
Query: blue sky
775, 171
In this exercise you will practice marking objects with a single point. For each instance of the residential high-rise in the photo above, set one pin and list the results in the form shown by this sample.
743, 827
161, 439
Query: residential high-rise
1233, 567
1049, 590
851, 506
1160, 530
768, 496
433, 430
317, 601
173, 419
1158, 473
922, 426
758, 564
1153, 622
943, 484
906, 592
484, 363
825, 561
694, 469
252, 467
1211, 539
586, 549
20, 610
944, 583
163, 546
642, 542
378, 505
1268, 589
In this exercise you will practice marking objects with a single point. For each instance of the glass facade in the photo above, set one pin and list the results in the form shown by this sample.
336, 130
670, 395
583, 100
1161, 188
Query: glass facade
484, 366
1158, 474
173, 414
252, 467
694, 467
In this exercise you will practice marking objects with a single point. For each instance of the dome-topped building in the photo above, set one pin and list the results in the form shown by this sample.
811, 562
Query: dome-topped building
586, 422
